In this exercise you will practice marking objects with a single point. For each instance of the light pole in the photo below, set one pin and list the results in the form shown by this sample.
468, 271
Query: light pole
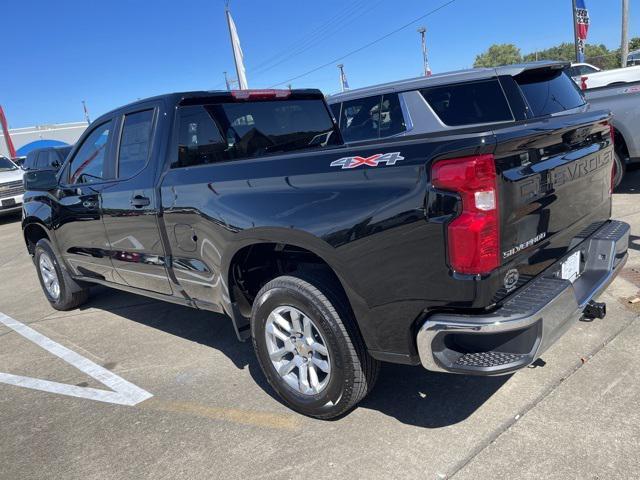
425, 62
625, 32
343, 78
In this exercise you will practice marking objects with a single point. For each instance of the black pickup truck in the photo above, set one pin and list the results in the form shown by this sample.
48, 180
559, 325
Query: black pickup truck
469, 249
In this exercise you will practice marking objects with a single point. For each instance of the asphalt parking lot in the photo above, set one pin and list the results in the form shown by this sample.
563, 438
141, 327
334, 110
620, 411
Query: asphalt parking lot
211, 415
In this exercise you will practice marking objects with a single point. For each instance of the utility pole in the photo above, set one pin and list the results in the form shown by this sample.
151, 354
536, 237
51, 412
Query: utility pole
426, 71
625, 32
226, 81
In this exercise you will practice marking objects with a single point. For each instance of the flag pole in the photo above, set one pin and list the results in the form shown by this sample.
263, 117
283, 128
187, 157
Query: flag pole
575, 30
7, 136
235, 48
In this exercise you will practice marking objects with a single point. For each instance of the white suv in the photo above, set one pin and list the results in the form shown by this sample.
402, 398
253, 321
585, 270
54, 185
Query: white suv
11, 188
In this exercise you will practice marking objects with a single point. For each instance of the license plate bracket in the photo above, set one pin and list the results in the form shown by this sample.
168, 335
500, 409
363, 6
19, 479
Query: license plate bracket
9, 202
570, 267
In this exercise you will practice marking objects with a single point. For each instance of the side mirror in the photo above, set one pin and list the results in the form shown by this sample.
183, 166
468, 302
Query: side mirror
40, 180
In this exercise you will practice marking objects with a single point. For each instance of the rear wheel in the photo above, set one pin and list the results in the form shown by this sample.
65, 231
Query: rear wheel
619, 170
62, 292
309, 348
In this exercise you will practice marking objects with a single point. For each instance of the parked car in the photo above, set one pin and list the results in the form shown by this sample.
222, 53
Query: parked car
467, 250
578, 70
19, 161
604, 78
11, 188
48, 158
624, 102
633, 58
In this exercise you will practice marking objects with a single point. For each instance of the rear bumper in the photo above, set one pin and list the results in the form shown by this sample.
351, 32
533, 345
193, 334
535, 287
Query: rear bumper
529, 322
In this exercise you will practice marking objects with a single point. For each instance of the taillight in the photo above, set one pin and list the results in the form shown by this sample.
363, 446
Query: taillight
473, 238
259, 94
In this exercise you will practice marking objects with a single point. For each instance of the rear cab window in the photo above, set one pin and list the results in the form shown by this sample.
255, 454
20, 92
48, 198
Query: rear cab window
233, 130
470, 103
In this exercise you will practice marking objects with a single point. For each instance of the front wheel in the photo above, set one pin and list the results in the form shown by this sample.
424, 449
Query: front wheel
62, 292
309, 347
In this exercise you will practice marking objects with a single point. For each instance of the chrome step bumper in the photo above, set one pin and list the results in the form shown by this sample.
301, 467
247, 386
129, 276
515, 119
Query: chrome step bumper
530, 321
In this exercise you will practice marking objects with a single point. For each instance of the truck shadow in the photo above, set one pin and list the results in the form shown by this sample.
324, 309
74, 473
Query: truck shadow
410, 394
11, 218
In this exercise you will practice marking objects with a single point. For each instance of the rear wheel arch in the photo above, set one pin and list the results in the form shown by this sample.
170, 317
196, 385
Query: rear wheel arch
254, 264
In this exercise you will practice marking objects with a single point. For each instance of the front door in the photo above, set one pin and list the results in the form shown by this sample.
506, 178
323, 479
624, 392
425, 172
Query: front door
80, 233
129, 206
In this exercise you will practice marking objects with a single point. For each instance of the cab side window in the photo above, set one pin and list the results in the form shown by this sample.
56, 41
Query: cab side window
88, 166
391, 116
360, 119
135, 143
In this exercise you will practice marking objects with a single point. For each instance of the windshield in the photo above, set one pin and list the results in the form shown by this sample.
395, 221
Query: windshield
7, 165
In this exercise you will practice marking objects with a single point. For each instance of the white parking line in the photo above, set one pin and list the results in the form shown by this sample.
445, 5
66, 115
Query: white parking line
121, 393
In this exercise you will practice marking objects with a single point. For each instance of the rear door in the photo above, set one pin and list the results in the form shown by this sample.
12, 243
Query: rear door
130, 207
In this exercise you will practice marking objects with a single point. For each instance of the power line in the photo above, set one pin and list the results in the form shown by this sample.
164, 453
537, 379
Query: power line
310, 43
363, 47
341, 14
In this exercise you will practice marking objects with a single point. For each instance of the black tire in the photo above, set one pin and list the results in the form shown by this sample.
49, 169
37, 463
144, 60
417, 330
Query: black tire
72, 294
620, 169
353, 372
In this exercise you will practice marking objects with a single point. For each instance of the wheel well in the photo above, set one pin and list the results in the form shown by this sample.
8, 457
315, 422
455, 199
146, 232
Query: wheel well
620, 144
254, 266
32, 234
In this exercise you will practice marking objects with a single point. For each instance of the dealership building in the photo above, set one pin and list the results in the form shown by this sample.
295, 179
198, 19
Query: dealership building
30, 138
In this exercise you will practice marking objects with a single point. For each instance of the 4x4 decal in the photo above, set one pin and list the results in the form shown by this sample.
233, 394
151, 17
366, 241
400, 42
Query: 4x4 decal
372, 161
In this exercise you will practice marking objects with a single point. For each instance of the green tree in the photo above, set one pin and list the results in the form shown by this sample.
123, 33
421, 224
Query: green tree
498, 54
598, 55
634, 44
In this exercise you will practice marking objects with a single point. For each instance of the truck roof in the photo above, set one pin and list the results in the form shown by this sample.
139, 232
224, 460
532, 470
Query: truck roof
445, 78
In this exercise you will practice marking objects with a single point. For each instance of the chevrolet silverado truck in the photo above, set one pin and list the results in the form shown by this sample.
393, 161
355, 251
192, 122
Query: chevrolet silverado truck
469, 250
624, 103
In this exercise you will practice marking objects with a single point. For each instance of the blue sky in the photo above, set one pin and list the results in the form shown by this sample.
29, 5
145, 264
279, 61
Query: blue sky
110, 53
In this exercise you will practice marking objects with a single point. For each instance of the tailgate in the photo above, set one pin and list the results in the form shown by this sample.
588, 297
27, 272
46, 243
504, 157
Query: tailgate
554, 187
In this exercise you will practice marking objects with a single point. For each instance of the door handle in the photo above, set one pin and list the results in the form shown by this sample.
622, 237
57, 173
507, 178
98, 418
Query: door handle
139, 201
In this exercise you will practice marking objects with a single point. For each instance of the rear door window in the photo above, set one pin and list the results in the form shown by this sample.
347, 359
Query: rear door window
360, 119
469, 103
135, 143
549, 91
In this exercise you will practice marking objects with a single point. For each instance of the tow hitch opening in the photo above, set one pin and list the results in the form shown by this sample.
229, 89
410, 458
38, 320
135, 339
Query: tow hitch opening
595, 310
